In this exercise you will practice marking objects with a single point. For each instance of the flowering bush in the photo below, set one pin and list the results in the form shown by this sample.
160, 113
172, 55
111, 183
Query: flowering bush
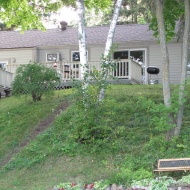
161, 183
100, 185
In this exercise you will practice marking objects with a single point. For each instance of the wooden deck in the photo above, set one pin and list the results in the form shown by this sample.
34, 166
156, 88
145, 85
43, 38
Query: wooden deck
126, 72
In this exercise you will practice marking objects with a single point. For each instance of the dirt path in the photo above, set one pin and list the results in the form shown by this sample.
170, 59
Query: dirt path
43, 125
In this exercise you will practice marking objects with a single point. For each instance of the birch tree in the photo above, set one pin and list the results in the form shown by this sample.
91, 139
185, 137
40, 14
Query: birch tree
82, 37
80, 5
109, 40
184, 68
113, 24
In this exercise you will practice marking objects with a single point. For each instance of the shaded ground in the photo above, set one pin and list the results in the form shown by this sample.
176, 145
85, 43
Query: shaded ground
43, 125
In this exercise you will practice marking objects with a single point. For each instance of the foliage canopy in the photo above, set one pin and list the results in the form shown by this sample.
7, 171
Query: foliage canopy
26, 14
173, 10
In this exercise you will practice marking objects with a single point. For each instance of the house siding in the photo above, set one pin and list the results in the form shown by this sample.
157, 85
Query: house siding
155, 59
96, 53
21, 56
24, 55
15, 57
127, 37
64, 52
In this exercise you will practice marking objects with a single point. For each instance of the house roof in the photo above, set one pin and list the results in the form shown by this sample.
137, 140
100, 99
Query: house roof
56, 37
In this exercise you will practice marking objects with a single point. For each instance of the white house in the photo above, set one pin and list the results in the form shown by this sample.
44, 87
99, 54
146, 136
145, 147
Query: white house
135, 43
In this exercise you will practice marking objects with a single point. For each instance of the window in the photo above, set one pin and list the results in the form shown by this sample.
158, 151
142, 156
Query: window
137, 55
75, 55
52, 57
76, 66
3, 64
120, 55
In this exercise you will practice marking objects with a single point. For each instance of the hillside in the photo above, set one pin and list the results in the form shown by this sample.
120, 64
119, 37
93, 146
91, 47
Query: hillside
49, 142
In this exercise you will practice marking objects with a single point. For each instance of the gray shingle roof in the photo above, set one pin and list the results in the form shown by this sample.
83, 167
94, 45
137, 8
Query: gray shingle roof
55, 37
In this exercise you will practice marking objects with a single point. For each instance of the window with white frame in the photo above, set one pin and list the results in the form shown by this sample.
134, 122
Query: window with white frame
136, 55
75, 55
52, 57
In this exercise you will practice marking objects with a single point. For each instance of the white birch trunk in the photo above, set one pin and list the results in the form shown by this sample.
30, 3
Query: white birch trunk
81, 37
110, 36
184, 68
112, 28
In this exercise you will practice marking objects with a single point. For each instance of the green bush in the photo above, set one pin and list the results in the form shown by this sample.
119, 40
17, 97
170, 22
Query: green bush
88, 122
34, 79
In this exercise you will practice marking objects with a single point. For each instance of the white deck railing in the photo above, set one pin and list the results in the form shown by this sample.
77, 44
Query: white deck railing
135, 71
72, 70
124, 69
6, 78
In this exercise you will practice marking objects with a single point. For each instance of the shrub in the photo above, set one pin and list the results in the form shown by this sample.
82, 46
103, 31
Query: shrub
34, 79
88, 123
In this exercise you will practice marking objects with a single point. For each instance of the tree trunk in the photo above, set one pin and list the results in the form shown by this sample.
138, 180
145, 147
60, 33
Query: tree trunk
110, 36
184, 69
81, 37
165, 57
164, 52
112, 28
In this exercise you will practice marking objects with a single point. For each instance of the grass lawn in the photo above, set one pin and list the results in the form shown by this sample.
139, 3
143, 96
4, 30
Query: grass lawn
131, 144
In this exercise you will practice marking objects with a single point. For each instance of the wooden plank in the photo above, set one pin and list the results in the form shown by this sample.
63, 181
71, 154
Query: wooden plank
171, 159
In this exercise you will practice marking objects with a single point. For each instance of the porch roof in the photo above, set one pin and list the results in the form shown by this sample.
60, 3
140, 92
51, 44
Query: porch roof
56, 37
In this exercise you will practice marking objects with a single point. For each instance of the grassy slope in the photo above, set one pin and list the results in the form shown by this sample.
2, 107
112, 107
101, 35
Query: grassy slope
19, 117
50, 161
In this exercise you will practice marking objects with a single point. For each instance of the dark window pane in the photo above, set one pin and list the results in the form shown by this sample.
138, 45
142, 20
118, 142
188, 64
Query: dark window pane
120, 55
137, 55
76, 56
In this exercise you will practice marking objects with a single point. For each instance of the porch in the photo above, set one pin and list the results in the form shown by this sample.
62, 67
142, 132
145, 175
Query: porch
126, 71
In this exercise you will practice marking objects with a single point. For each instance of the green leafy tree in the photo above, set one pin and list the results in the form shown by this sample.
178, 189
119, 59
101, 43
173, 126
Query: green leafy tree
172, 11
3, 27
132, 11
34, 79
27, 14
